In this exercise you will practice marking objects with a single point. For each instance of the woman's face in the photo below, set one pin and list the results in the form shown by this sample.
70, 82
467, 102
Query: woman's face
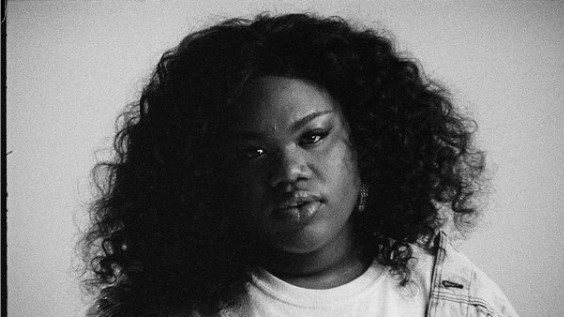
295, 178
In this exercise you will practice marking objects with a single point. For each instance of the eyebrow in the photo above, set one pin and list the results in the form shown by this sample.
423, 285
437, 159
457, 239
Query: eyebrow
294, 127
305, 120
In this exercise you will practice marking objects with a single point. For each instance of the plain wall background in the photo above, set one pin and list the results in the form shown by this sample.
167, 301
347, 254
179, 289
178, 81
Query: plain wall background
72, 65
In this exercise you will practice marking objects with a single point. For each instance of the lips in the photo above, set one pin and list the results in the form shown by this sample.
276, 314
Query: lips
299, 208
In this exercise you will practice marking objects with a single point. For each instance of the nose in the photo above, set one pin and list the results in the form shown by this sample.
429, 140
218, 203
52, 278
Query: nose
290, 167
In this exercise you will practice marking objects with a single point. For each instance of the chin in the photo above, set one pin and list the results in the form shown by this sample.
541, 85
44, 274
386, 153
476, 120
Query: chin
308, 241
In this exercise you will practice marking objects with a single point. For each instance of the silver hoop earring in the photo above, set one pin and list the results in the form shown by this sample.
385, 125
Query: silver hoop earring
363, 197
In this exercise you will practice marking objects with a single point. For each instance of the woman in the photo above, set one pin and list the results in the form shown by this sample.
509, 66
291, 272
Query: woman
288, 165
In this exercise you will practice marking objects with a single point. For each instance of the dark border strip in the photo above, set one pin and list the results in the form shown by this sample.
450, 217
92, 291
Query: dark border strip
4, 263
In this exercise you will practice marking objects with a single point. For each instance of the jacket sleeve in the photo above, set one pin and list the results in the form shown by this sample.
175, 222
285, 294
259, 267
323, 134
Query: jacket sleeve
487, 290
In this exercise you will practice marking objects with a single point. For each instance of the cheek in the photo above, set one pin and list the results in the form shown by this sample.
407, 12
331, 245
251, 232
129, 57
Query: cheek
339, 165
343, 180
249, 192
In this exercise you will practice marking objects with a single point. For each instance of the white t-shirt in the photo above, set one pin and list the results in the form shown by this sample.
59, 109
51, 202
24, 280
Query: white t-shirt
375, 293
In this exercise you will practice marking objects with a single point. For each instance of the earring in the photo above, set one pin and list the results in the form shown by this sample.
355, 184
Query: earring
363, 197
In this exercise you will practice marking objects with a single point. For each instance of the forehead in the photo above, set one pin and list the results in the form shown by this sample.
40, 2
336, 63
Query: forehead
272, 103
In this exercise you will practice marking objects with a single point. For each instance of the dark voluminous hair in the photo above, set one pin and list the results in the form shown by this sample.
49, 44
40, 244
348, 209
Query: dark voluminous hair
162, 241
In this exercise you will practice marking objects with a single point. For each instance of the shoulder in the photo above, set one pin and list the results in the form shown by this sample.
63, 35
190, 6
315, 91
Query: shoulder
457, 279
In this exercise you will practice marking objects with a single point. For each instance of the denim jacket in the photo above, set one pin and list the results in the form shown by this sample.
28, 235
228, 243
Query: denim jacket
459, 288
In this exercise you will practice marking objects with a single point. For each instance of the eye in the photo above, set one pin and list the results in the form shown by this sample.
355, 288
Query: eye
313, 137
251, 153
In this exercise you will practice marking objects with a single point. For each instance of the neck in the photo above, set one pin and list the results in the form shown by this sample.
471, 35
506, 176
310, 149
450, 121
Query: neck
336, 263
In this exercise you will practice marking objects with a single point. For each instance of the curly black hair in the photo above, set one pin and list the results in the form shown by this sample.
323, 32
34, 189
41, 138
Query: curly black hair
161, 243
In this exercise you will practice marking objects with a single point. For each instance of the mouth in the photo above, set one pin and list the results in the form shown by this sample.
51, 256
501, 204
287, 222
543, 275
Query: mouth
299, 208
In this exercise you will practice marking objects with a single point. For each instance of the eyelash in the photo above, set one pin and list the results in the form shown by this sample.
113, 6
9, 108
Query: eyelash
317, 134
